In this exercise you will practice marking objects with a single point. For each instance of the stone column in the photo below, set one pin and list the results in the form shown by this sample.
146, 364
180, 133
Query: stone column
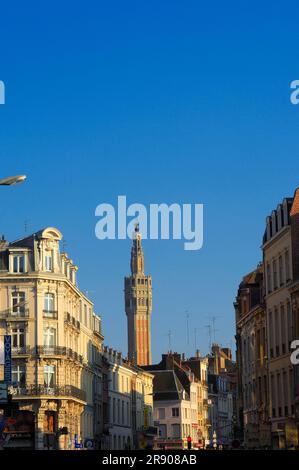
61, 415
39, 426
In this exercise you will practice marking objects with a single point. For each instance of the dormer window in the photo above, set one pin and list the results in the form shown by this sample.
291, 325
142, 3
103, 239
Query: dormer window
48, 263
19, 263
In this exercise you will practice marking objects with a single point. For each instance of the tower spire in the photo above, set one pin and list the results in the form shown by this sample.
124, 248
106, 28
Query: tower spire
137, 257
138, 305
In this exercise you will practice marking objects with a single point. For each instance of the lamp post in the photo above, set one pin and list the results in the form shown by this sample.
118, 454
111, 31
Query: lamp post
215, 440
11, 180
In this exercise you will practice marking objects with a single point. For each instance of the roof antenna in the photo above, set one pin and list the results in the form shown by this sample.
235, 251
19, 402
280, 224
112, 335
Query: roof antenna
26, 223
209, 328
169, 340
187, 325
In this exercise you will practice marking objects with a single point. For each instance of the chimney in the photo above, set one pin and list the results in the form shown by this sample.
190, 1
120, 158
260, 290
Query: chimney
3, 243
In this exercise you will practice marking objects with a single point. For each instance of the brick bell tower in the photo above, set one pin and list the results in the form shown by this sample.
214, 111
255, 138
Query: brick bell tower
138, 306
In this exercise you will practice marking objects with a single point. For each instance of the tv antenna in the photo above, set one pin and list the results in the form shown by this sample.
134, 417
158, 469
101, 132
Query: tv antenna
169, 335
213, 328
209, 328
64, 243
187, 326
195, 339
26, 224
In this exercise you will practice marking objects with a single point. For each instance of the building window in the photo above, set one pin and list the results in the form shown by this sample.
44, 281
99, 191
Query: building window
287, 265
162, 430
18, 374
18, 303
19, 264
122, 412
161, 413
175, 412
271, 334
85, 315
49, 306
176, 431
18, 337
80, 313
269, 279
113, 411
275, 274
118, 411
49, 422
49, 337
128, 415
49, 376
283, 330
48, 263
289, 325
281, 280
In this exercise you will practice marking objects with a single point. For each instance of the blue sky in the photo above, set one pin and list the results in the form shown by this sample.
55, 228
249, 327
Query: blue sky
166, 101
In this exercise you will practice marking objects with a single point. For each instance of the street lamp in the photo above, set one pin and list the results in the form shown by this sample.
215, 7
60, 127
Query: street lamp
11, 180
215, 440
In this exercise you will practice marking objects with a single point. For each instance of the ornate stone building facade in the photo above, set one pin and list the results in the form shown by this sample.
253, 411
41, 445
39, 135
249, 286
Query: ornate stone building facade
253, 392
130, 402
138, 306
56, 340
268, 391
278, 268
180, 400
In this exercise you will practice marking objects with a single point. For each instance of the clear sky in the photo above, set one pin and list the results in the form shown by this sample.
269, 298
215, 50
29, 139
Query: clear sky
163, 101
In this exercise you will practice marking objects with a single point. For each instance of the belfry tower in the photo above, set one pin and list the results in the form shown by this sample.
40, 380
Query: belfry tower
138, 305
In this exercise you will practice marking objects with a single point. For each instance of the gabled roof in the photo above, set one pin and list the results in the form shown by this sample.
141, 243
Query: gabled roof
167, 386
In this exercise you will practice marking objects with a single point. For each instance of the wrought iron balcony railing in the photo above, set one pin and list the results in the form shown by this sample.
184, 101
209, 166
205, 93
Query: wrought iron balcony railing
68, 318
50, 314
48, 351
15, 315
51, 350
54, 391
20, 350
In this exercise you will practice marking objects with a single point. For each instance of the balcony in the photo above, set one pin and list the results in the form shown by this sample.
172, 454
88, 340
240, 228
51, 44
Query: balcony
51, 350
54, 392
70, 320
48, 351
19, 315
21, 351
50, 314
